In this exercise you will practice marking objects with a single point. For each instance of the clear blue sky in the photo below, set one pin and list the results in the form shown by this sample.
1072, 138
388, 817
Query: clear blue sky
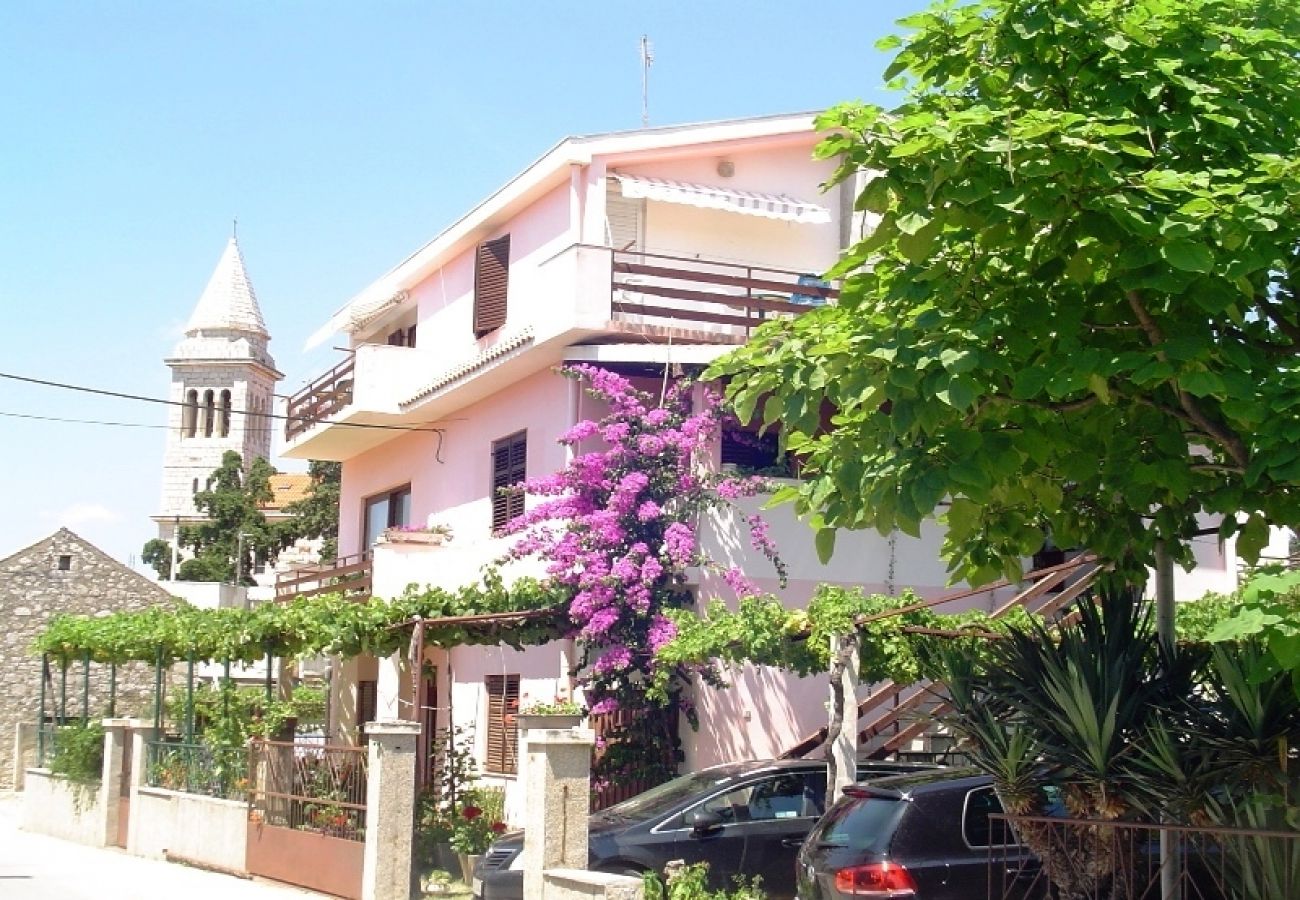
343, 136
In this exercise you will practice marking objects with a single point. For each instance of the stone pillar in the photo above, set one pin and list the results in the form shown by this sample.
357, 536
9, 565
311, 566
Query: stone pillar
24, 747
388, 689
390, 810
844, 743
557, 802
117, 735
142, 735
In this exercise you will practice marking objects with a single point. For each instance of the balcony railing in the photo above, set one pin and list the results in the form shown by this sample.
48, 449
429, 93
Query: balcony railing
347, 575
673, 290
321, 399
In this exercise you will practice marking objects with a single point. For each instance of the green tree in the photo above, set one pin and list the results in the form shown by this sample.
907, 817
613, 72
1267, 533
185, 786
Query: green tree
157, 553
317, 514
1077, 314
233, 504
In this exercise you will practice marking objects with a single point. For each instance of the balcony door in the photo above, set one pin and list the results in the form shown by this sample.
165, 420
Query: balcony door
387, 510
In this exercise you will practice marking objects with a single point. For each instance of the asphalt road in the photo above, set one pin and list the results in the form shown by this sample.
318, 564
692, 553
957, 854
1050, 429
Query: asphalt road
36, 867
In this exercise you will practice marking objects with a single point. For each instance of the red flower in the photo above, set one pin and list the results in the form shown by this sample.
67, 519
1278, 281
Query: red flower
498, 827
471, 812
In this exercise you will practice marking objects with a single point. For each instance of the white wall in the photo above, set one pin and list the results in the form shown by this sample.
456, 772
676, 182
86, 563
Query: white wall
205, 829
63, 809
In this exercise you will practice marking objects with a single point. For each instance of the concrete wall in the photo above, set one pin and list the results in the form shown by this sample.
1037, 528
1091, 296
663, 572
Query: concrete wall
450, 479
63, 809
205, 829
579, 884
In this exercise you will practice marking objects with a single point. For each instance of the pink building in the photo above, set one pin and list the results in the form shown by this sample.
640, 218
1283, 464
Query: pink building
642, 250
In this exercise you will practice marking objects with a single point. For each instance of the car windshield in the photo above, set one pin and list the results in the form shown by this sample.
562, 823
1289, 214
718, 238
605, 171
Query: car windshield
663, 798
862, 823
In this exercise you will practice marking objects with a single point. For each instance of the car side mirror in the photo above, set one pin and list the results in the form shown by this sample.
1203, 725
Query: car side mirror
703, 821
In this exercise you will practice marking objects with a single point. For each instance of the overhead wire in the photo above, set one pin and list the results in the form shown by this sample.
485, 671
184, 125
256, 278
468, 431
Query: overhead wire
234, 412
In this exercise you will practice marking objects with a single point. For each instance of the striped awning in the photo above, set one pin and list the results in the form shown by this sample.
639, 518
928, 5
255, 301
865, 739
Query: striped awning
707, 196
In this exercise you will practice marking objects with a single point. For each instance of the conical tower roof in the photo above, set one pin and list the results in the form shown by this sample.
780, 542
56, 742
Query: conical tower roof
228, 302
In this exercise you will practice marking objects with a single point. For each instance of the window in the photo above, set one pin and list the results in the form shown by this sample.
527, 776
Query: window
509, 458
367, 704
223, 415
387, 510
502, 734
402, 337
793, 796
190, 414
209, 409
65, 563
491, 279
976, 829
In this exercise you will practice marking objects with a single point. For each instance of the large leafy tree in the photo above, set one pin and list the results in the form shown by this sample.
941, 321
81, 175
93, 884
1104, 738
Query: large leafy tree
1078, 311
317, 514
232, 503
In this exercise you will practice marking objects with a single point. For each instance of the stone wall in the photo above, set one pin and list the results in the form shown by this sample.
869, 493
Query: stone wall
64, 574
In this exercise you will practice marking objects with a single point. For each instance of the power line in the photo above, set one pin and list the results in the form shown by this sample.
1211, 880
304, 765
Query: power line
14, 415
234, 412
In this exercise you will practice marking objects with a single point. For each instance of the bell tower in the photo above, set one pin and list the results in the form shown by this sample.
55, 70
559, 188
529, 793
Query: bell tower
222, 382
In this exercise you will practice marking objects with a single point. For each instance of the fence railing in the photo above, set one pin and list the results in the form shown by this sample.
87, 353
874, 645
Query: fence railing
321, 399
309, 787
197, 769
349, 575
1097, 860
675, 290
47, 742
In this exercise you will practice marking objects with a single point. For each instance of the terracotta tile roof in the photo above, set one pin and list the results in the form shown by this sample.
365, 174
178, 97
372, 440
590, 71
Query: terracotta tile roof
289, 488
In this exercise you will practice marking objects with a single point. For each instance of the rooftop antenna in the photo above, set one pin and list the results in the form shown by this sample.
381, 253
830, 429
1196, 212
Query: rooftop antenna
647, 57
234, 228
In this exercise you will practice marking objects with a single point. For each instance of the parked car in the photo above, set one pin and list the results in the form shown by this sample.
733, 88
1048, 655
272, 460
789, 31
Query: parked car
741, 818
924, 837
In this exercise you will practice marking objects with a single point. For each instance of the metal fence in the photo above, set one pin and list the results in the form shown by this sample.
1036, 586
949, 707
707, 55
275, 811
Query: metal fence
1095, 860
309, 787
197, 769
47, 742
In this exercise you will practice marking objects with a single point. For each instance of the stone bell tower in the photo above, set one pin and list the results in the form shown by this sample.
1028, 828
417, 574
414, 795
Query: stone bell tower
223, 378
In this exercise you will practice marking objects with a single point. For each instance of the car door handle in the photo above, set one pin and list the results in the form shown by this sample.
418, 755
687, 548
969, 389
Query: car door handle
792, 842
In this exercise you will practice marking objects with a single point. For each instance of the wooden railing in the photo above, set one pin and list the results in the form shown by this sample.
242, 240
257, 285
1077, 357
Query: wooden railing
892, 715
321, 399
349, 575
671, 290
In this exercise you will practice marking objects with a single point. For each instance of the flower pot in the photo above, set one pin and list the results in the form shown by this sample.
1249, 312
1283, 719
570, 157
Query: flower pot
529, 721
434, 538
467, 863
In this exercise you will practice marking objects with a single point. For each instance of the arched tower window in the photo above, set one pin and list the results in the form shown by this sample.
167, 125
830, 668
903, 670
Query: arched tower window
224, 419
209, 410
190, 414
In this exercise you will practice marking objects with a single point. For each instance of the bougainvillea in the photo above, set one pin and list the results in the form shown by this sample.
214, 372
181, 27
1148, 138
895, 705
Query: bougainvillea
618, 527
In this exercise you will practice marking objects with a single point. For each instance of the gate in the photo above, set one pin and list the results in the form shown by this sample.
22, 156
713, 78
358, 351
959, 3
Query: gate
307, 815
660, 721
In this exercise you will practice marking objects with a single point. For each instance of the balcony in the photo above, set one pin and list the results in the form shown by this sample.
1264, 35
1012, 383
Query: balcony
580, 295
351, 576
716, 298
321, 399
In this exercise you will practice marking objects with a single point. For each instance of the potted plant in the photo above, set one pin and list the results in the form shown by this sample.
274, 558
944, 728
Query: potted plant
472, 833
562, 711
436, 882
432, 534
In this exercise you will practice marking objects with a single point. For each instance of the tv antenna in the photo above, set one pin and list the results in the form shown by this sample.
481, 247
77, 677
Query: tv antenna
647, 57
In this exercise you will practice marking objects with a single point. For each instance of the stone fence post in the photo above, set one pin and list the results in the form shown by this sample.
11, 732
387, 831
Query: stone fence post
24, 752
390, 810
117, 737
557, 802
141, 736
